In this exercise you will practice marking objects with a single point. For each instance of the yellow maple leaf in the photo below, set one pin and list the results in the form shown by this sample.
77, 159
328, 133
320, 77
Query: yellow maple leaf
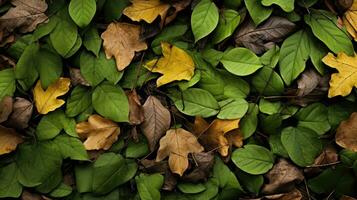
177, 144
342, 83
46, 101
350, 20
98, 132
146, 10
122, 40
9, 140
175, 65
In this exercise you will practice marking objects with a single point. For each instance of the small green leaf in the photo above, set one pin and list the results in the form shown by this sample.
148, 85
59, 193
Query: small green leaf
191, 188
169, 34
62, 190
258, 12
49, 66
7, 83
71, 147
79, 100
267, 82
9, 186
26, 67
286, 5
249, 122
91, 40
232, 108
314, 117
228, 22
149, 186
82, 11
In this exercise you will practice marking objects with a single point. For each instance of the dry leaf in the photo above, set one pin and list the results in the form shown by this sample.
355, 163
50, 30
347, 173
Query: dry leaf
9, 140
122, 40
6, 62
136, 112
175, 65
345, 197
329, 155
147, 10
77, 78
342, 83
46, 100
309, 80
295, 194
235, 138
157, 121
350, 20
5, 108
178, 6
203, 164
21, 114
346, 134
26, 195
282, 177
100, 133
177, 144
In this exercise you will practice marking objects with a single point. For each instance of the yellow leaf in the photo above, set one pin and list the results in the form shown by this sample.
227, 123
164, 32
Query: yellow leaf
146, 10
9, 140
350, 20
98, 132
122, 40
177, 144
175, 65
342, 83
46, 101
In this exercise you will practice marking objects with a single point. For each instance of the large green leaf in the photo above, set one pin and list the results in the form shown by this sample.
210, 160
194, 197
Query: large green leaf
286, 5
257, 11
7, 83
82, 11
149, 186
228, 22
79, 100
267, 82
232, 108
49, 66
314, 117
71, 147
9, 186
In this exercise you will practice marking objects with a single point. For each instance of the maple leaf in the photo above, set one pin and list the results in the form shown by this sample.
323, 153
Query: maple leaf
350, 20
98, 132
46, 100
146, 10
346, 134
122, 40
9, 140
175, 65
342, 83
177, 144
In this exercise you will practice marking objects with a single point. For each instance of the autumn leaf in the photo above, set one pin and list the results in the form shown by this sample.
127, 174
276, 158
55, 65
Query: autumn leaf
175, 65
46, 100
146, 10
342, 83
346, 134
350, 20
98, 132
177, 144
9, 140
122, 40
136, 112
5, 108
21, 114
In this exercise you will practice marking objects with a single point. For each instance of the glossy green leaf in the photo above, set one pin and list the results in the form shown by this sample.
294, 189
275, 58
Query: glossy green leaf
249, 122
257, 11
228, 22
314, 117
82, 11
232, 108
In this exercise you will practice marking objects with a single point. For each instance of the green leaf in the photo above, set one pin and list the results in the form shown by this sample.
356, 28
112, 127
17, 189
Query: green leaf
71, 147
267, 82
212, 56
232, 108
111, 102
169, 34
26, 69
7, 83
204, 19
195, 101
135, 75
79, 100
191, 188
252, 183
253, 159
249, 122
211, 190
149, 186
286, 5
228, 22
91, 40
9, 186
62, 190
324, 27
258, 12
137, 149
75, 48
45, 28
113, 9
317, 52
314, 117
276, 145
84, 177
241, 61
302, 145
49, 66
293, 56
82, 11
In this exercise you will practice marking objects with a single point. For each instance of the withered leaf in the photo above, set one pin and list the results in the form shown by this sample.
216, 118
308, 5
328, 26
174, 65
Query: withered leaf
310, 80
9, 139
21, 114
136, 112
294, 194
203, 164
346, 134
27, 195
5, 108
77, 78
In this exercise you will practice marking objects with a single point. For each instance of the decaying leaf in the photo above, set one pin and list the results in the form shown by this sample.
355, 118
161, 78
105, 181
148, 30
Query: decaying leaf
345, 197
157, 121
177, 144
136, 112
294, 194
178, 6
282, 177
21, 114
46, 100
309, 81
341, 83
329, 155
98, 132
122, 40
175, 65
350, 20
203, 164
9, 140
346, 134
261, 38
5, 108
77, 78
6, 62
147, 10
27, 195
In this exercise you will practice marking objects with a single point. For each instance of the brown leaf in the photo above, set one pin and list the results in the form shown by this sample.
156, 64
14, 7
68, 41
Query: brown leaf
329, 155
202, 168
156, 122
9, 139
5, 108
77, 78
178, 6
177, 144
310, 80
122, 40
282, 177
295, 194
100, 133
27, 195
136, 112
261, 38
346, 134
344, 197
235, 138
22, 113
6, 62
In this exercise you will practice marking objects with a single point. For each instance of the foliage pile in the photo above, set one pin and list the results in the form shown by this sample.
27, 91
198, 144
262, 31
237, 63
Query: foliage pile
178, 99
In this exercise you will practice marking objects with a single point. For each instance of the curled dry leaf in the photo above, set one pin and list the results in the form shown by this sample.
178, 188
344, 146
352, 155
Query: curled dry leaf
346, 134
46, 100
9, 139
261, 38
122, 40
282, 177
175, 65
177, 144
136, 112
350, 20
98, 132
5, 108
203, 164
21, 114
157, 121
309, 81
77, 78
147, 10
329, 155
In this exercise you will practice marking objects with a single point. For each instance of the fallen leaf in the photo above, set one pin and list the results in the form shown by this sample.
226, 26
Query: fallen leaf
295, 194
342, 83
9, 140
157, 120
235, 138
122, 40
77, 78
201, 170
282, 177
27, 195
5, 108
262, 38
98, 132
350, 20
147, 10
178, 6
46, 100
346, 134
136, 112
6, 62
345, 197
329, 155
175, 65
21, 114
309, 80
177, 144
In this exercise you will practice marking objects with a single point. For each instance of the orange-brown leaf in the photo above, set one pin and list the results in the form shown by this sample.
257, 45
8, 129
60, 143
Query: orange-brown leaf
9, 140
346, 135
